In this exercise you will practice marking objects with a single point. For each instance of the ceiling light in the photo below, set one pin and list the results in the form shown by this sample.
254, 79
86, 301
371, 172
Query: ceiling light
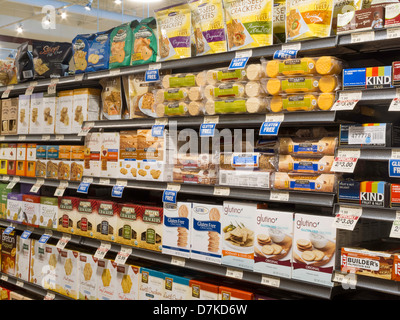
63, 15
88, 7
20, 29
146, 1
117, 1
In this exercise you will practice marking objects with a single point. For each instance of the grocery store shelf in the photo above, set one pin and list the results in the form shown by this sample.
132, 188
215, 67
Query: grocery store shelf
46, 182
371, 212
373, 153
59, 138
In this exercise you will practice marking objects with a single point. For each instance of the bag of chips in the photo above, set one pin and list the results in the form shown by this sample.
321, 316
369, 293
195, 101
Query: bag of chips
144, 47
120, 46
99, 51
80, 47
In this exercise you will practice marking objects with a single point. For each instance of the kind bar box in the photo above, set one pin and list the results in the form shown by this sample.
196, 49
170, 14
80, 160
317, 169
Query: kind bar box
176, 287
67, 214
151, 284
87, 267
150, 228
48, 212
67, 281
92, 155
106, 221
273, 244
378, 77
314, 245
371, 134
24, 109
201, 290
238, 226
371, 193
127, 227
128, 277
106, 274
206, 237
86, 214
176, 229
227, 293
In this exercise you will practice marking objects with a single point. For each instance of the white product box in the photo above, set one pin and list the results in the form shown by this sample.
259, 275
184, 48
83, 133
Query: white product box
24, 107
151, 285
206, 238
87, 276
153, 170
23, 258
31, 210
176, 229
128, 277
273, 242
245, 178
176, 287
15, 207
48, 212
38, 261
106, 280
86, 107
128, 169
35, 123
64, 112
109, 154
238, 226
67, 281
50, 277
48, 115
314, 245
92, 155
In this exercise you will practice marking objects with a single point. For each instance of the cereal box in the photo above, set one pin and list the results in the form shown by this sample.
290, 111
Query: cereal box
109, 154
86, 107
24, 104
48, 212
150, 228
106, 221
8, 252
206, 238
238, 226
87, 210
227, 293
273, 242
127, 226
67, 273
128, 277
87, 276
201, 290
92, 154
176, 287
176, 229
67, 215
151, 284
31, 210
106, 274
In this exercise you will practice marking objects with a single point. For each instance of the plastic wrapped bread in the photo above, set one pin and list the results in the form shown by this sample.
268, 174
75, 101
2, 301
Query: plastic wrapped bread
248, 160
252, 72
200, 161
295, 164
302, 146
244, 105
303, 182
184, 80
302, 102
179, 108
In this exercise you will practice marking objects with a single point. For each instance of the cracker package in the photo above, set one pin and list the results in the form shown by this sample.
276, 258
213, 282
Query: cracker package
48, 212
80, 47
106, 221
279, 21
128, 277
51, 59
150, 228
106, 274
174, 27
67, 281
208, 19
7, 72
249, 23
31, 210
86, 217
144, 45
111, 98
176, 287
87, 266
8, 252
99, 51
151, 284
126, 223
86, 107
22, 259
67, 214
120, 46
306, 19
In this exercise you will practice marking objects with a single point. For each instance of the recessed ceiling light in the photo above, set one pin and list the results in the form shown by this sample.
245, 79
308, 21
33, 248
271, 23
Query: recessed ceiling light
117, 1
88, 7
20, 29
63, 15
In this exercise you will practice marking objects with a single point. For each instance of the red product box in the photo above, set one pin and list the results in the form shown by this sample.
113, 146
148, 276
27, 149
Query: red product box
394, 195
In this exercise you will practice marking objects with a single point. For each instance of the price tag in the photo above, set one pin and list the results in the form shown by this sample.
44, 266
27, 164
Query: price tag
51, 89
104, 181
292, 46
61, 189
348, 280
279, 196
395, 229
123, 255
13, 182
270, 281
26, 234
346, 160
19, 283
152, 76
347, 217
154, 66
271, 125
79, 76
347, 100
59, 137
114, 72
178, 261
86, 127
221, 191
83, 187
46, 137
173, 186
102, 250
359, 37
63, 241
234, 273
395, 103
21, 138
9, 229
6, 178
31, 87
4, 277
45, 237
163, 121
157, 130
87, 179
6, 92
49, 296
392, 33
35, 188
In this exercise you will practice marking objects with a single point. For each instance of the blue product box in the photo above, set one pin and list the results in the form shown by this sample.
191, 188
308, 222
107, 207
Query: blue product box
354, 78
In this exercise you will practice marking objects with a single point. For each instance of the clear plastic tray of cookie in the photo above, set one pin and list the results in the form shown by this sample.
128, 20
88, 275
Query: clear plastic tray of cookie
234, 89
252, 72
239, 105
311, 101
323, 182
308, 165
298, 146
180, 108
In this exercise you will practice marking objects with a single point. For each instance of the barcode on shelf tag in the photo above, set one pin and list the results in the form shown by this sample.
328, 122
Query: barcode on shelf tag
61, 189
392, 33
347, 280
211, 119
154, 66
59, 137
161, 121
270, 281
102, 250
234, 273
63, 241
395, 154
221, 191
358, 37
104, 181
51, 89
279, 196
121, 182
395, 103
114, 72
46, 137
87, 179
347, 217
244, 53
347, 100
49, 296
395, 229
35, 188
359, 135
173, 186
123, 255
178, 261
6, 93
346, 160
31, 87
21, 138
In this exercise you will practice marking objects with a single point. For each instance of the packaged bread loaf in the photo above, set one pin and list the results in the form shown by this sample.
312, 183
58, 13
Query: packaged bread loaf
172, 94
224, 90
244, 105
288, 163
179, 108
252, 72
302, 146
247, 160
184, 80
201, 161
303, 182
302, 102
207, 176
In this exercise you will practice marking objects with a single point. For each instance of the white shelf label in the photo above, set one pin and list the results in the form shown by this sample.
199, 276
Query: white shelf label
359, 37
19, 283
4, 277
49, 296
244, 54
79, 77
63, 241
13, 182
51, 89
346, 160
102, 250
21, 138
31, 87
347, 217
46, 137
59, 137
178, 261
211, 119
392, 33
35, 188
348, 280
86, 127
270, 281
395, 230
234, 273
161, 121
123, 255
347, 100
291, 46
104, 181
221, 191
279, 196
6, 93
173, 187
61, 189
154, 66
114, 72
395, 103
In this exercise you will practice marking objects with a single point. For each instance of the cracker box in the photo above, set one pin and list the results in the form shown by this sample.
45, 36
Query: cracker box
86, 107
13, 117
314, 245
87, 276
369, 193
150, 228
92, 155
48, 116
151, 284
106, 274
67, 273
64, 162
238, 225
36, 271
273, 242
206, 237
128, 277
24, 104
203, 290
127, 226
12, 159
86, 214
155, 148
394, 195
67, 214
31, 160
52, 161
3, 200
8, 252
109, 154
31, 210
3, 158
41, 161
153, 170
50, 278
22, 162
176, 287
227, 293
65, 101
77, 162
48, 212
128, 154
5, 109
105, 227
23, 257
15, 207
176, 229
36, 114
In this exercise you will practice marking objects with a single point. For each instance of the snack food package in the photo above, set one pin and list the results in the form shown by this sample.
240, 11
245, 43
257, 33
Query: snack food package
151, 284
305, 182
111, 98
302, 102
144, 44
22, 258
63, 123
48, 212
176, 287
67, 281
92, 154
184, 80
227, 293
150, 228
127, 229
120, 46
279, 22
208, 19
98, 56
24, 63
51, 59
239, 105
300, 146
392, 15
86, 213
174, 27
343, 6
252, 72
106, 221
196, 176
86, 107
80, 49
128, 277
106, 274
248, 26
87, 266
308, 19
360, 20
8, 253
179, 108
128, 154
7, 72
24, 111
295, 164
67, 214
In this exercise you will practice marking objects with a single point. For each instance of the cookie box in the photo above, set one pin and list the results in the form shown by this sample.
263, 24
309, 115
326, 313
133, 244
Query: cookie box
86, 107
296, 164
64, 162
47, 118
179, 108
201, 290
64, 114
8, 250
394, 195
304, 182
109, 154
251, 72
227, 293
392, 15
52, 162
370, 193
307, 147
67, 281
302, 102
361, 20
153, 170
151, 284
237, 105
371, 134
107, 284
161, 148
41, 161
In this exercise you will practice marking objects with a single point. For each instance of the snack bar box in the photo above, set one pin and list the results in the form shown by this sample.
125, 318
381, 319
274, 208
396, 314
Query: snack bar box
370, 134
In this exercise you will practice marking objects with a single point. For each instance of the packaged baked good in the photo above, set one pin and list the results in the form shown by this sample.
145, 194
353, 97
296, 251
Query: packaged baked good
248, 26
302, 102
242, 161
181, 80
200, 161
98, 56
252, 72
24, 63
120, 46
289, 163
308, 19
80, 48
243, 105
51, 59
144, 44
301, 146
111, 97
179, 108
279, 22
174, 27
195, 176
305, 182
343, 6
208, 19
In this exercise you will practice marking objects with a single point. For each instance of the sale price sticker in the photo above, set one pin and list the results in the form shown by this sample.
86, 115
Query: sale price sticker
347, 100
395, 230
347, 217
346, 161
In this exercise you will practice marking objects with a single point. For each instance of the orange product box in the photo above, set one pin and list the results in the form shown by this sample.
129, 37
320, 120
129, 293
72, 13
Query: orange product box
77, 162
64, 162
227, 293
31, 160
21, 160
12, 159
31, 207
201, 290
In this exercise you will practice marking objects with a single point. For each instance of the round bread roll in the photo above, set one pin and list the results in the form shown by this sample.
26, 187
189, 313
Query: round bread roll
165, 81
211, 77
195, 108
253, 89
276, 104
160, 110
159, 96
254, 71
210, 107
285, 163
201, 79
273, 86
254, 105
272, 68
209, 92
328, 65
326, 101
327, 84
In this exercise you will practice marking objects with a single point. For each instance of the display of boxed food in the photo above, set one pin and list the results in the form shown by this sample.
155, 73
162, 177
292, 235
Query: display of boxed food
396, 73
15, 207
13, 116
41, 161
201, 290
238, 105
31, 210
372, 134
3, 200
111, 98
150, 228
31, 160
48, 268
24, 111
106, 274
64, 162
301, 146
48, 212
370, 193
361, 20
296, 164
314, 245
128, 154
195, 176
86, 107
37, 263
231, 90
176, 287
87, 266
23, 258
179, 108
126, 232
304, 182
64, 114
161, 148
67, 272
77, 162
151, 284
206, 234
273, 245
36, 115
128, 277
109, 154
8, 253
3, 158
392, 15
92, 154
177, 229
302, 102
12, 159
106, 221
47, 117
52, 164
367, 78
394, 195
21, 165
154, 170
85, 217
227, 293
67, 214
